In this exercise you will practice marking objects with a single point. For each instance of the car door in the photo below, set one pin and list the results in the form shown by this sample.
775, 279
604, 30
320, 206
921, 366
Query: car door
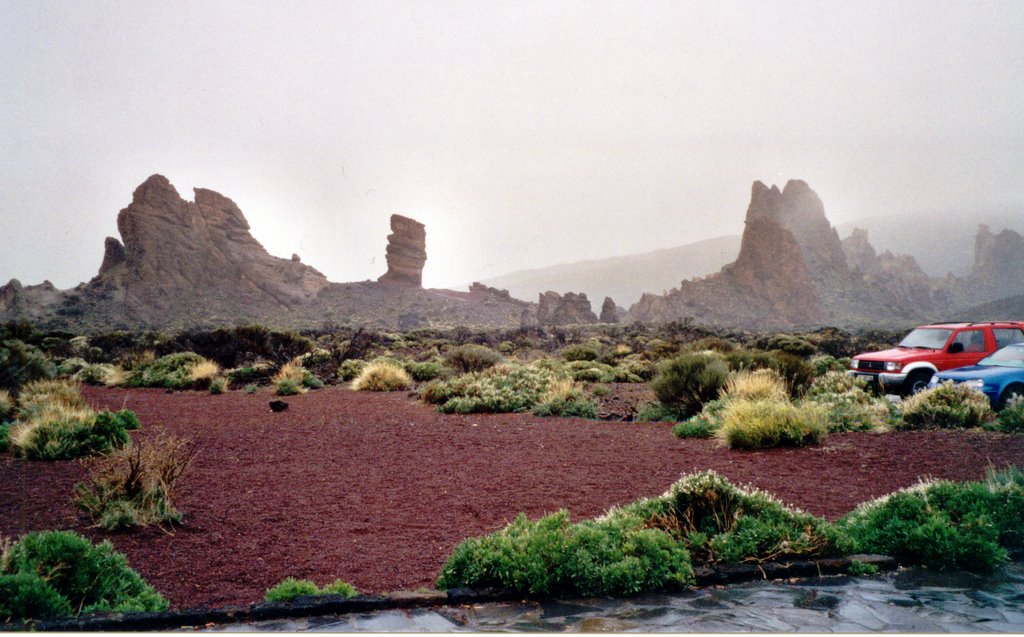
967, 347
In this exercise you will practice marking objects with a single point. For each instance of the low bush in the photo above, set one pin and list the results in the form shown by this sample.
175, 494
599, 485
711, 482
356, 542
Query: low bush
288, 387
86, 577
136, 485
182, 370
564, 398
655, 412
350, 369
218, 385
100, 374
5, 433
850, 406
258, 372
647, 545
695, 427
797, 372
580, 353
551, 557
70, 366
21, 363
425, 371
471, 358
789, 344
294, 379
948, 406
944, 525
382, 375
683, 384
760, 424
288, 589
500, 389
825, 363
72, 436
761, 384
1009, 420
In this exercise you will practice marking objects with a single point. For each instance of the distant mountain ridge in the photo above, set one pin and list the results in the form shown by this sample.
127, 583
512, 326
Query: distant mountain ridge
623, 278
940, 243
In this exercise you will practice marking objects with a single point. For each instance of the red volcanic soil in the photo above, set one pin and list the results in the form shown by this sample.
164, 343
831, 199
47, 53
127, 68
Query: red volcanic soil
377, 489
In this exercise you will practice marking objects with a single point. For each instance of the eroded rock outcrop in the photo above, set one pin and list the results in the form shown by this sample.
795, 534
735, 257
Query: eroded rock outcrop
406, 252
998, 269
556, 309
196, 256
609, 311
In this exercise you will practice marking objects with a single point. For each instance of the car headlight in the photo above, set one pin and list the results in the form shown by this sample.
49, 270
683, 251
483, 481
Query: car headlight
854, 364
893, 367
977, 383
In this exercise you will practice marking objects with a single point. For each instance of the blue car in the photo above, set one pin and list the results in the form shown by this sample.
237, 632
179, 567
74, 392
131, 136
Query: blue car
999, 376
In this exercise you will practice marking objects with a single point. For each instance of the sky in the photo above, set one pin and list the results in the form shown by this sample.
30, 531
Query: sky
522, 133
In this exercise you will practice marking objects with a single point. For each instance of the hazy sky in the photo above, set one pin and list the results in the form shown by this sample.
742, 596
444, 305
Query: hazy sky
521, 133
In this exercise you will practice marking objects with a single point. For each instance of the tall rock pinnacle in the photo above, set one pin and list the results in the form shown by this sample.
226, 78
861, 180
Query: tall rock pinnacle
406, 252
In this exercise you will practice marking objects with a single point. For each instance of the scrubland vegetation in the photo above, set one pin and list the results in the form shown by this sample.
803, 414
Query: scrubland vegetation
743, 390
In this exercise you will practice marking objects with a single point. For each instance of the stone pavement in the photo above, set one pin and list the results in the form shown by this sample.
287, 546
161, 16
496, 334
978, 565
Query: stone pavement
911, 600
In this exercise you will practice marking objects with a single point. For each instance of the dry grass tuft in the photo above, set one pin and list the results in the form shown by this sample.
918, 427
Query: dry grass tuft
382, 376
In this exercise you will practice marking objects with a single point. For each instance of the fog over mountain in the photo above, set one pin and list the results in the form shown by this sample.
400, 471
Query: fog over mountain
522, 134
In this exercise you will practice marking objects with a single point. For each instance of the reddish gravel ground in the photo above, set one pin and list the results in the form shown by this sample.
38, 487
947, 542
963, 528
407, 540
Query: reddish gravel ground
377, 489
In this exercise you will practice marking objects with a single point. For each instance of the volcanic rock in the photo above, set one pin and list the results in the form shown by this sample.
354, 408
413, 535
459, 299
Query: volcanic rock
609, 311
113, 255
998, 269
556, 309
406, 252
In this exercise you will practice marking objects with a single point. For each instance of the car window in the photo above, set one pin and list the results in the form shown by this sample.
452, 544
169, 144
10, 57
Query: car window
972, 340
1007, 336
927, 338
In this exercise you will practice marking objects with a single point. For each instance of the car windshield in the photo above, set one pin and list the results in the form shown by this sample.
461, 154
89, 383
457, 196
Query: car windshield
927, 338
1010, 356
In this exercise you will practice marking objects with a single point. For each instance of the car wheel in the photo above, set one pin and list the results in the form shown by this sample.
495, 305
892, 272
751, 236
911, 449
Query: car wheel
1013, 391
917, 381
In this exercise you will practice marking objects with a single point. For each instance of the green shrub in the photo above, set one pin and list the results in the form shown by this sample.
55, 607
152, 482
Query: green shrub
88, 577
136, 485
218, 385
685, 383
948, 406
500, 389
760, 384
5, 442
21, 364
761, 424
98, 374
288, 387
861, 568
564, 398
790, 345
825, 363
798, 373
643, 546
70, 366
350, 368
72, 436
25, 596
471, 358
695, 427
425, 371
639, 367
310, 381
250, 388
254, 373
553, 558
182, 370
382, 375
723, 523
850, 406
1011, 418
580, 353
944, 525
288, 589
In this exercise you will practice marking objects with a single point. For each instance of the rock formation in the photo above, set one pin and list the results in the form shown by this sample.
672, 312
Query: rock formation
195, 257
768, 284
556, 309
406, 252
998, 264
609, 311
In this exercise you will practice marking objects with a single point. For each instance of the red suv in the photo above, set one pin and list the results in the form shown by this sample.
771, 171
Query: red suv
909, 366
